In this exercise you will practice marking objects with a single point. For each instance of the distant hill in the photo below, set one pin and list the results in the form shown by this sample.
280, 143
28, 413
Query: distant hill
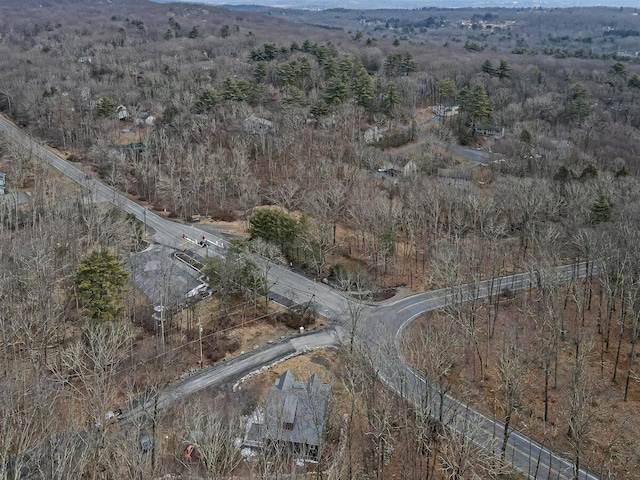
374, 4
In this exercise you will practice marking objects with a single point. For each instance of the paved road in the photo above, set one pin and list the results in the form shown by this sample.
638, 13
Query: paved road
379, 332
230, 371
476, 155
523, 453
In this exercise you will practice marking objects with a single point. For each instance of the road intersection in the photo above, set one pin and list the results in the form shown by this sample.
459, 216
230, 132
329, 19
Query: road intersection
378, 330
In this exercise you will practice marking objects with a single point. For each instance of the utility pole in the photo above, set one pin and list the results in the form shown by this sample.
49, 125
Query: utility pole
162, 326
200, 330
158, 316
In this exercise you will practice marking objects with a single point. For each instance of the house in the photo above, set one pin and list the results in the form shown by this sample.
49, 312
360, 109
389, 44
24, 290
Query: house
293, 418
455, 177
489, 130
256, 125
410, 168
446, 109
2, 182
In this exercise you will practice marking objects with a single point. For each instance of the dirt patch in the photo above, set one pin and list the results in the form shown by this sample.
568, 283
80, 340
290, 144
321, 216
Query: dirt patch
230, 331
256, 336
125, 138
237, 228
326, 363
423, 114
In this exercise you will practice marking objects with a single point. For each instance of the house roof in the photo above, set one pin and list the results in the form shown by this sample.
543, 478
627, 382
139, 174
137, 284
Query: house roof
285, 381
256, 125
296, 410
455, 173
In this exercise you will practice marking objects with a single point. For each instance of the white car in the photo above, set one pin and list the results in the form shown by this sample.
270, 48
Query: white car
200, 288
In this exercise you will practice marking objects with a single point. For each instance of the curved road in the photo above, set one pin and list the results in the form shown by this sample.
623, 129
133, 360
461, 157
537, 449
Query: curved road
378, 330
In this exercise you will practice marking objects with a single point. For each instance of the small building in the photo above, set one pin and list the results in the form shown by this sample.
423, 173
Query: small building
256, 125
2, 183
293, 419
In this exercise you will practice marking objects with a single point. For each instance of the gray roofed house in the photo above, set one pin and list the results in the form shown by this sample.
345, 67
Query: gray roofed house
489, 130
455, 177
293, 418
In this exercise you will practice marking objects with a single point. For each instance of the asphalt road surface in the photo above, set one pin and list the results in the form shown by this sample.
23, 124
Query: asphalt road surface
228, 372
378, 330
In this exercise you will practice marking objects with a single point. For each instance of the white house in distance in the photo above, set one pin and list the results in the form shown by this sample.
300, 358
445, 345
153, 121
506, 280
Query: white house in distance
446, 109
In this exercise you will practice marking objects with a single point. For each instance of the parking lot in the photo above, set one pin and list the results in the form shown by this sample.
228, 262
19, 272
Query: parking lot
161, 277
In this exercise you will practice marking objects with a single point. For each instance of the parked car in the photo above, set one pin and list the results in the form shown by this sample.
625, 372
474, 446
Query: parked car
199, 289
207, 293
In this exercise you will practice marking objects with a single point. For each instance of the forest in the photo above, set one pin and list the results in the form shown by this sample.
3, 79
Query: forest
383, 153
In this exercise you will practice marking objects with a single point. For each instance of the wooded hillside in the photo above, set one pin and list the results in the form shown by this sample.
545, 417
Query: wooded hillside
202, 112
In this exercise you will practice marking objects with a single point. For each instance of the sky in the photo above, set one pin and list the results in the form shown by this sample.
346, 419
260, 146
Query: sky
367, 4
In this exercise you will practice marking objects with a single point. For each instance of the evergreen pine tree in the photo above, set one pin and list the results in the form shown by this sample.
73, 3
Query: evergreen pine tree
363, 87
106, 107
487, 67
577, 105
480, 106
195, 32
601, 209
99, 285
446, 89
391, 99
634, 81
260, 72
206, 101
504, 69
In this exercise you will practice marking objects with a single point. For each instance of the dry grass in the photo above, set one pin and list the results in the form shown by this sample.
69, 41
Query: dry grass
326, 363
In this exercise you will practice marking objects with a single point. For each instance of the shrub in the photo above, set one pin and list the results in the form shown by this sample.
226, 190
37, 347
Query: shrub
224, 214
